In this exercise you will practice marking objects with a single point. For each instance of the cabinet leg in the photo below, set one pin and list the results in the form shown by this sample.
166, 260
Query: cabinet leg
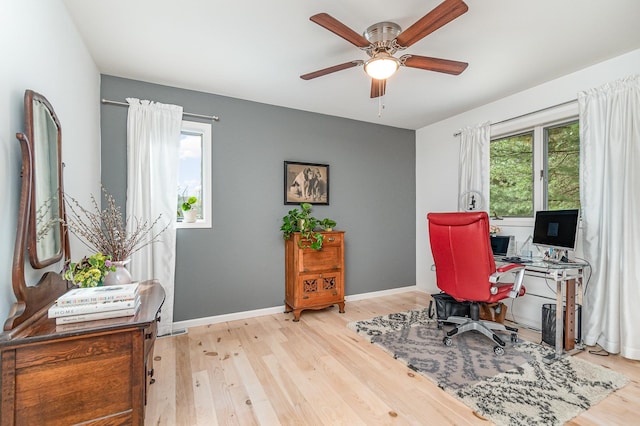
287, 308
296, 315
341, 307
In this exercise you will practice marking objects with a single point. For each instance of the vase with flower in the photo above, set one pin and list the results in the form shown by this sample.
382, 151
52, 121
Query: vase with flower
90, 271
106, 231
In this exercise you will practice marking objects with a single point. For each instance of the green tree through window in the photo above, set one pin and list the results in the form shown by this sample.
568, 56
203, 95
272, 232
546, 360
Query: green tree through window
511, 176
563, 167
515, 178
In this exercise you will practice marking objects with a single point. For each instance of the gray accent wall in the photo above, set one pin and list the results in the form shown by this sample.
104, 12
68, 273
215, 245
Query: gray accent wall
238, 265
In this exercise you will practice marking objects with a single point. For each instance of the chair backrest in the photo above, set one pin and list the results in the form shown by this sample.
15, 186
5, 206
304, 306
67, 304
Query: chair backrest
461, 248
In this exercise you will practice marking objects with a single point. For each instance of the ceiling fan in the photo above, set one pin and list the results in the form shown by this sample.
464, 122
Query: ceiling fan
383, 39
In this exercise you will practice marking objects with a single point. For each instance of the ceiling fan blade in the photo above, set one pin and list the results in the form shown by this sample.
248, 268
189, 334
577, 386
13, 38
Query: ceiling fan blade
329, 70
332, 24
378, 87
434, 64
444, 13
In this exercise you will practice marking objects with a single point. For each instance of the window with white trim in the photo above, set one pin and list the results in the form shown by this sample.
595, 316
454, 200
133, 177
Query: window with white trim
535, 168
194, 173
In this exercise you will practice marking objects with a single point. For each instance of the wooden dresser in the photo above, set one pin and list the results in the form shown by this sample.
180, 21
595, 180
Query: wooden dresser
94, 372
314, 279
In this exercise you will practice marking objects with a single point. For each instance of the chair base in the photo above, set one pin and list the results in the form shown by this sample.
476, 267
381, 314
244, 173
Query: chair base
464, 324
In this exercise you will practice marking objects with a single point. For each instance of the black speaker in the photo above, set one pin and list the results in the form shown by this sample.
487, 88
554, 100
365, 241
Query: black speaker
549, 323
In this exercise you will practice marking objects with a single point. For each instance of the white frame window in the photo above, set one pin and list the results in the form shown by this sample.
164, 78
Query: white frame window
204, 131
536, 123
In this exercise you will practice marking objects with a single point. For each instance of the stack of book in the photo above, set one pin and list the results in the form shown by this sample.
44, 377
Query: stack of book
95, 303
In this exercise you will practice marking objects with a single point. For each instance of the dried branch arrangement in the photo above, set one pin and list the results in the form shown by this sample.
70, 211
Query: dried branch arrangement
105, 231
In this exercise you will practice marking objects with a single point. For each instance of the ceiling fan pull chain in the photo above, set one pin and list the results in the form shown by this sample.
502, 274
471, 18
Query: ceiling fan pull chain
380, 105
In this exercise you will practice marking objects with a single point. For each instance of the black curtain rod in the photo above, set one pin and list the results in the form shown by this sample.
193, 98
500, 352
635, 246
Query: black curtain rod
186, 114
527, 114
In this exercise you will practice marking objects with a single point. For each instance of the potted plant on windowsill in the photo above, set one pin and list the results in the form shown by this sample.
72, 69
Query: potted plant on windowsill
189, 211
300, 220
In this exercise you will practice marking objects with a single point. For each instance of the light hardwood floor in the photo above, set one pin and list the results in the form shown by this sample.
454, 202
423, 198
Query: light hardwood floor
271, 370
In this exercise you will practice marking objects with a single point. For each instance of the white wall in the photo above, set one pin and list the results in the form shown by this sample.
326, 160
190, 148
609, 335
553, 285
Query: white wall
437, 162
41, 50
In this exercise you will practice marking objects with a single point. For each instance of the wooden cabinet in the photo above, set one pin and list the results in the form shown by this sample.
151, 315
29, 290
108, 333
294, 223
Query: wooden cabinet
314, 279
94, 372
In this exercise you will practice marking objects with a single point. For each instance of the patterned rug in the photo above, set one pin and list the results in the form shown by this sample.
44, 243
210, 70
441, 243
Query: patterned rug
517, 388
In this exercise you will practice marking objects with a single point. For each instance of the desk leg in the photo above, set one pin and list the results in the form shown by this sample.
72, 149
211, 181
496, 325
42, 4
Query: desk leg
570, 317
559, 319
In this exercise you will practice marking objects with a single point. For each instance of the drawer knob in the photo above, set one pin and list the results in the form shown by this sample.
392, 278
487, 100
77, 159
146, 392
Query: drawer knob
331, 239
305, 297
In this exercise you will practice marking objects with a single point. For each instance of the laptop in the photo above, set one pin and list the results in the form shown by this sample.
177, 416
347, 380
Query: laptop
500, 245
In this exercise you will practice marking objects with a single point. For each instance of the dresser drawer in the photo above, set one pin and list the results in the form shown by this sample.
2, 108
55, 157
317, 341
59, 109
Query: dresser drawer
331, 239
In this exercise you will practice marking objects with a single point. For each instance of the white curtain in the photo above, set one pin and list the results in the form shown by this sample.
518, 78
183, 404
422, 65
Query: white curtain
153, 136
473, 169
610, 197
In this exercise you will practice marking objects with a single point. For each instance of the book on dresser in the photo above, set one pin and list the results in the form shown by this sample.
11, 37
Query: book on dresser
126, 312
56, 310
96, 303
87, 295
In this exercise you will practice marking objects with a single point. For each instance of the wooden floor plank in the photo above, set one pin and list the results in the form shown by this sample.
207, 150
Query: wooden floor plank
270, 370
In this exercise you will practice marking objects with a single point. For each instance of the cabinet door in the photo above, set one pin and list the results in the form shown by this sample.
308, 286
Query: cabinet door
318, 289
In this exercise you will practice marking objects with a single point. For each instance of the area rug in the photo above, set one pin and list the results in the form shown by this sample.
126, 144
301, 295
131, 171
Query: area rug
517, 388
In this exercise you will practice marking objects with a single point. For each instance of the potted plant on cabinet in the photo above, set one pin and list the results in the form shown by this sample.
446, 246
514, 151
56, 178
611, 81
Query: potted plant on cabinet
300, 220
327, 224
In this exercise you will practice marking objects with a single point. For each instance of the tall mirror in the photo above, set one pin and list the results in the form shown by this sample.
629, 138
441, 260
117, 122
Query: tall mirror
40, 229
45, 225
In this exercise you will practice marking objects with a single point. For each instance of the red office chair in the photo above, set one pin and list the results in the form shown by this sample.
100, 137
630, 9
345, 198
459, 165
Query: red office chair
466, 270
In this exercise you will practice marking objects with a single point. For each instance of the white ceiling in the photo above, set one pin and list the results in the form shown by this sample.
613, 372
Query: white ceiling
257, 49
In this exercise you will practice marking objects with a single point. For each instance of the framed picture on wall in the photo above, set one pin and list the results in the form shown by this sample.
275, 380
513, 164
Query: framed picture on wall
306, 183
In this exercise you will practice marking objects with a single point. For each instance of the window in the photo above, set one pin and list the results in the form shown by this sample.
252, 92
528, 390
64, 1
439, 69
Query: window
535, 169
194, 172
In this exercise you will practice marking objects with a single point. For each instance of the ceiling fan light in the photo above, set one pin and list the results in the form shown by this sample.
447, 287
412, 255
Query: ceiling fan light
381, 66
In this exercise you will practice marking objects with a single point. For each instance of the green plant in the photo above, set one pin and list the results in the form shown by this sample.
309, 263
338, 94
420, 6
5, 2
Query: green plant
90, 271
187, 205
327, 224
300, 220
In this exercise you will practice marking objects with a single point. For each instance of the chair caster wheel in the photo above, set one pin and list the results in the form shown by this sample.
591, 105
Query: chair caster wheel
447, 341
498, 350
514, 338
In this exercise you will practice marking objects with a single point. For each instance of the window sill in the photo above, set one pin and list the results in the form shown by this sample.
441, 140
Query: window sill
198, 224
513, 221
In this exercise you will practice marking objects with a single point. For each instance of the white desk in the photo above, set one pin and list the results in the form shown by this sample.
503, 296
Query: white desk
569, 276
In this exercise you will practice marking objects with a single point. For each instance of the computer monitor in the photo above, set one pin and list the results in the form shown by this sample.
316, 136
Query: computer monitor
556, 228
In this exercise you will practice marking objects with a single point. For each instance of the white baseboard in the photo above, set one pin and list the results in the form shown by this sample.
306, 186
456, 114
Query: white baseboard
381, 293
181, 325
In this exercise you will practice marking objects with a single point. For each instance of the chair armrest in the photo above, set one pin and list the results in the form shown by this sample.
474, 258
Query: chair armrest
511, 267
514, 268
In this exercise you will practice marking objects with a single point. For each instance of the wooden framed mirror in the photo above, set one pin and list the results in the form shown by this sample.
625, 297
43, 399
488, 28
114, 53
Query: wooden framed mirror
41, 211
46, 229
